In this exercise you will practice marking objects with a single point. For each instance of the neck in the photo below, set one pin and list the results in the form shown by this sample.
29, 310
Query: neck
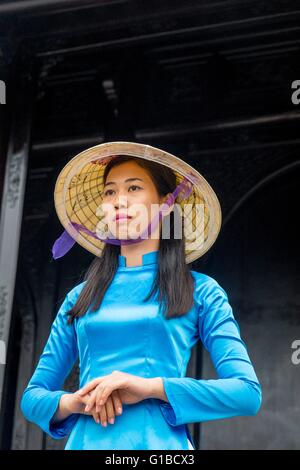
133, 253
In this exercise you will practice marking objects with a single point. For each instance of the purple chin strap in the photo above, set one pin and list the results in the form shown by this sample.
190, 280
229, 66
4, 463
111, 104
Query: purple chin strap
65, 242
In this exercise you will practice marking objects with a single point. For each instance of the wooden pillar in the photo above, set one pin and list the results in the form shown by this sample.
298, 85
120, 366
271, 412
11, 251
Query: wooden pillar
21, 96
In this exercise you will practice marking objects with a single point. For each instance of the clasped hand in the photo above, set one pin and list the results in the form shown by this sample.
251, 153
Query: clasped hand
104, 395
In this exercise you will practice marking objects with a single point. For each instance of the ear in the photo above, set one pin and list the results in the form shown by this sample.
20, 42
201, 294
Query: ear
164, 200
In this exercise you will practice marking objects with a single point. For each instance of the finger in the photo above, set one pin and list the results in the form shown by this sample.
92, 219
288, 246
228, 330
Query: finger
96, 416
106, 390
103, 416
97, 400
85, 398
113, 382
88, 387
91, 400
110, 411
117, 402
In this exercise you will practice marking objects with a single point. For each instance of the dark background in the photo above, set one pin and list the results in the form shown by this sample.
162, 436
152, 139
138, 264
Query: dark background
211, 82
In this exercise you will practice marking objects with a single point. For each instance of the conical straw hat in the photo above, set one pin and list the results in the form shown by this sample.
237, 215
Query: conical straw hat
78, 195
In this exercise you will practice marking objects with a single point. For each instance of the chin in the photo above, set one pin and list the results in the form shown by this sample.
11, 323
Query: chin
120, 235
124, 233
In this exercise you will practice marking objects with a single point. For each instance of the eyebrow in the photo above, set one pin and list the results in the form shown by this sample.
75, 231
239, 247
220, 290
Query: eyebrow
128, 179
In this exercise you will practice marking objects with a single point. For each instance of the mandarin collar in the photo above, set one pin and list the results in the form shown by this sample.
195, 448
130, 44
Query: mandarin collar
148, 258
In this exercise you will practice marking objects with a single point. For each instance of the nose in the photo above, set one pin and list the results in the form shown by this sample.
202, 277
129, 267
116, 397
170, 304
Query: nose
121, 201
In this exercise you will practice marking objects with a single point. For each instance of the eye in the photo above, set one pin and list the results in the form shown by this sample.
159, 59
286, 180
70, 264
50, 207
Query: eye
134, 186
106, 193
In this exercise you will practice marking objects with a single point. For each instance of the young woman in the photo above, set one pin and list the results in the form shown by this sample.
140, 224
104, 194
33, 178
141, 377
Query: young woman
135, 318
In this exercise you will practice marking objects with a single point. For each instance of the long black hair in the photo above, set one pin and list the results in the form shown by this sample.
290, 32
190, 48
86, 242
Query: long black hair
173, 283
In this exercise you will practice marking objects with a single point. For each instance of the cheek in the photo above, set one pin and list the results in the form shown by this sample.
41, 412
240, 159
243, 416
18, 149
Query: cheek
146, 211
145, 200
106, 211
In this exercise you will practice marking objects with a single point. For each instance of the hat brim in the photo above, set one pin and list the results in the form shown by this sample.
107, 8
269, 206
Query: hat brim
78, 188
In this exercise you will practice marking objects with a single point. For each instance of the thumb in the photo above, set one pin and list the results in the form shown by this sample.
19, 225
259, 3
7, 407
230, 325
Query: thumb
88, 387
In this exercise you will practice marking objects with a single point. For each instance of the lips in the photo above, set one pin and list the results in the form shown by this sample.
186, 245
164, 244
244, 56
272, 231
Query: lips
122, 217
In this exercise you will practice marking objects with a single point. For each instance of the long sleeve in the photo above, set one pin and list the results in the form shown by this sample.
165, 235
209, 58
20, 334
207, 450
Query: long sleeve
237, 391
41, 397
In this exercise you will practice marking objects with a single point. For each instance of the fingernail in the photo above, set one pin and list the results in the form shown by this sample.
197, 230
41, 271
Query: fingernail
119, 409
104, 423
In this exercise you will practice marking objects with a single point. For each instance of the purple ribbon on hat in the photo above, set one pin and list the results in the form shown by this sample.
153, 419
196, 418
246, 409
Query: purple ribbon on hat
65, 242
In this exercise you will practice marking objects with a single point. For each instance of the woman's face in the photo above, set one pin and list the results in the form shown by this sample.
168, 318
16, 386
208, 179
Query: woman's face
130, 191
